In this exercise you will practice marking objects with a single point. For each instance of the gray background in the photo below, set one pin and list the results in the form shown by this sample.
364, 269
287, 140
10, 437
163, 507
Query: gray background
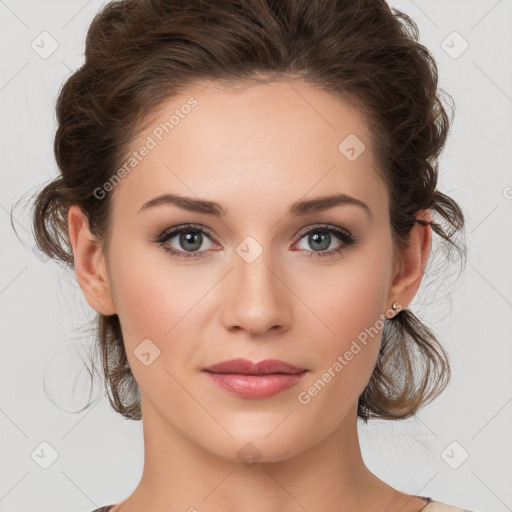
44, 315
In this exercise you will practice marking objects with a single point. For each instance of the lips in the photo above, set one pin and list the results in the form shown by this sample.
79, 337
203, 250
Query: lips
245, 367
246, 379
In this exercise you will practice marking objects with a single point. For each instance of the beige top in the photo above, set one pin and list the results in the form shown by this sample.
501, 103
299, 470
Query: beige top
438, 506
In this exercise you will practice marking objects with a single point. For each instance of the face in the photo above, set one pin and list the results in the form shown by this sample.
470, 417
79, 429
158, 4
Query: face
263, 280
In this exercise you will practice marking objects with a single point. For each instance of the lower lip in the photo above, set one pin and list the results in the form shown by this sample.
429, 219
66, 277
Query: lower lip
256, 386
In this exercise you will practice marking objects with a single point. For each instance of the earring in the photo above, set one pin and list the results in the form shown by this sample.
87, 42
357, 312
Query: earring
394, 307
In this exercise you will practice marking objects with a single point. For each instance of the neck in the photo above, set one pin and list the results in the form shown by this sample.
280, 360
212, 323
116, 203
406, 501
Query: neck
180, 475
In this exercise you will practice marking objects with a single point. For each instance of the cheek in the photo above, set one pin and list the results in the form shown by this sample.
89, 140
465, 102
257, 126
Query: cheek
346, 299
348, 305
148, 302
159, 300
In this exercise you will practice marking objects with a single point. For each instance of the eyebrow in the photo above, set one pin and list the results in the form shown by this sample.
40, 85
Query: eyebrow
297, 209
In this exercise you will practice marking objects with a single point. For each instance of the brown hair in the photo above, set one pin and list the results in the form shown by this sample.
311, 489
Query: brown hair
140, 53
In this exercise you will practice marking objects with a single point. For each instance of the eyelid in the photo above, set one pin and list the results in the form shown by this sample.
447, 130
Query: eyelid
319, 226
299, 234
178, 228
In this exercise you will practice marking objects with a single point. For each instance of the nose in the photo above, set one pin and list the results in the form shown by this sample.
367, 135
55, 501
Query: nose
256, 297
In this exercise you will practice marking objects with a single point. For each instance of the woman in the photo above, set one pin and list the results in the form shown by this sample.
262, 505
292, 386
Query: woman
248, 195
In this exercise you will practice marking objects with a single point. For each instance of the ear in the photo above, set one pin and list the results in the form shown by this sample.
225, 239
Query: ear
90, 265
411, 262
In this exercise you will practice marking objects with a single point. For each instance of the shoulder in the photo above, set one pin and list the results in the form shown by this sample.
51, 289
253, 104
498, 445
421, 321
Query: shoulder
439, 506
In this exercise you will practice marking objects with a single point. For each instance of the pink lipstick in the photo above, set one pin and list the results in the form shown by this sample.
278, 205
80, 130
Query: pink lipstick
255, 380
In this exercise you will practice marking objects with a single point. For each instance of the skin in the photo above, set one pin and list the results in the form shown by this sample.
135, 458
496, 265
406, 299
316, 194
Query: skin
255, 151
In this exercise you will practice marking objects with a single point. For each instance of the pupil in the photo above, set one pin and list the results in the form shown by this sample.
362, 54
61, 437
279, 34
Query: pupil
325, 237
191, 237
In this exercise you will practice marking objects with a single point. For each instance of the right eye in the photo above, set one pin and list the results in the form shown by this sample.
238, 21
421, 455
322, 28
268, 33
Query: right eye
190, 237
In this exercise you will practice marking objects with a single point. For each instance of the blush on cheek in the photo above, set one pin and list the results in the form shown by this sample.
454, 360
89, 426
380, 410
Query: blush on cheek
140, 305
156, 304
353, 314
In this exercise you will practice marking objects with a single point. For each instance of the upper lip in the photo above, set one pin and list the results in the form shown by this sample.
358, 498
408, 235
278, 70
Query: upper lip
246, 367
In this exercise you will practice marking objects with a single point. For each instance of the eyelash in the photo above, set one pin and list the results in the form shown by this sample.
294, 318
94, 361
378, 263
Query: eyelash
345, 236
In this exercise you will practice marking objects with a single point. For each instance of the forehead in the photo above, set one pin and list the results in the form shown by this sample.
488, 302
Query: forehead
246, 148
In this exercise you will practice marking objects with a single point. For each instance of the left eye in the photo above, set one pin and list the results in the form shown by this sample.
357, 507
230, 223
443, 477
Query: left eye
191, 237
322, 236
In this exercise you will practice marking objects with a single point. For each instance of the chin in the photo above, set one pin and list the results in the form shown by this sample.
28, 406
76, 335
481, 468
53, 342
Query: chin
273, 443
